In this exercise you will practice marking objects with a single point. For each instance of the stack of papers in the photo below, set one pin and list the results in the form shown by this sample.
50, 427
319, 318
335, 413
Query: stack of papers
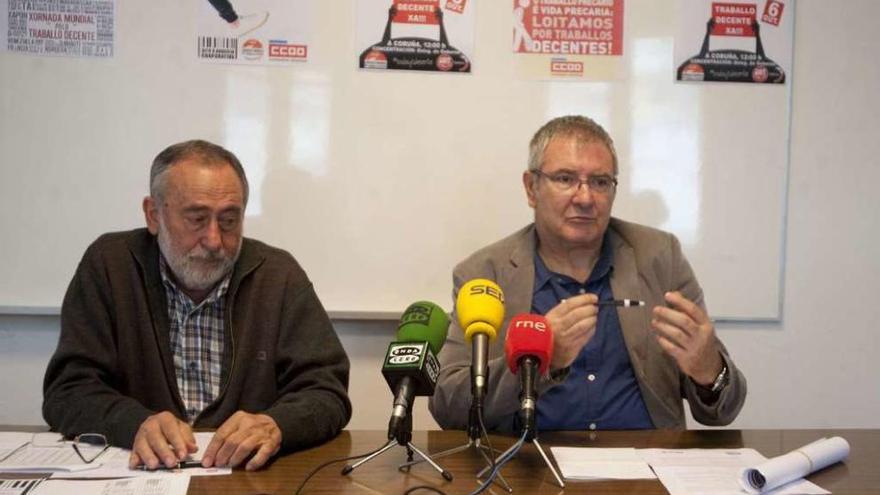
794, 465
153, 485
18, 486
23, 454
578, 463
10, 441
51, 454
682, 471
713, 471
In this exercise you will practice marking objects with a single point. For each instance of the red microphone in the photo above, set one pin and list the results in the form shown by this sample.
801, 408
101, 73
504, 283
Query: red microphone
529, 347
528, 335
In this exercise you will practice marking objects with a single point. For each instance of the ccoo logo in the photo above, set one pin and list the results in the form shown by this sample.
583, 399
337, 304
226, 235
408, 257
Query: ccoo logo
279, 50
566, 68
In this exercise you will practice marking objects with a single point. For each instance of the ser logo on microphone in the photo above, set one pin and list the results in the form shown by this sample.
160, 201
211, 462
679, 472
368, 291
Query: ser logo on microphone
477, 290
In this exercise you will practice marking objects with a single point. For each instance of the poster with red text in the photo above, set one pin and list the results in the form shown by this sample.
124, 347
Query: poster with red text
65, 28
422, 35
255, 32
568, 38
746, 41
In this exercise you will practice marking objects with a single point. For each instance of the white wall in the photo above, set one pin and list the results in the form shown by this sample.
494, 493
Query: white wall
818, 368
300, 133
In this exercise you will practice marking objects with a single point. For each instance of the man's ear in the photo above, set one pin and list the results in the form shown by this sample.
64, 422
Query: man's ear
151, 214
529, 184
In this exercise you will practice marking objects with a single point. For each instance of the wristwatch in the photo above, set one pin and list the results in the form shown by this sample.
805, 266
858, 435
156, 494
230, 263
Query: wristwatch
720, 381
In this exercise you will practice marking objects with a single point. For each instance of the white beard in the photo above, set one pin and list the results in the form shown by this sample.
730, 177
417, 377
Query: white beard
199, 269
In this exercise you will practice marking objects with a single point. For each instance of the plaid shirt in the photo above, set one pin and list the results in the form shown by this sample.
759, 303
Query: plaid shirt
197, 332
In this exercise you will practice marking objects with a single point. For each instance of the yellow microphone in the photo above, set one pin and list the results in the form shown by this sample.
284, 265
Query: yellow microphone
480, 310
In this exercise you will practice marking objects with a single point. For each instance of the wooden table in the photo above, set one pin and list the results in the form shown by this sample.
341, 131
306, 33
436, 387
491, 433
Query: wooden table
526, 473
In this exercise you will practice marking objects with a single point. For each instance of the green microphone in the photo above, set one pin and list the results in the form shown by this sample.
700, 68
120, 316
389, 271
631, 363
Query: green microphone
424, 321
411, 367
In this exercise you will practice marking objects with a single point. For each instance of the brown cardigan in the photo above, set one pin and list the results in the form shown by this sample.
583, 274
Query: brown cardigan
113, 366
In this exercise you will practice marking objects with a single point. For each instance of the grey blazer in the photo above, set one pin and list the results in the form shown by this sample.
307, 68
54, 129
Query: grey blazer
647, 263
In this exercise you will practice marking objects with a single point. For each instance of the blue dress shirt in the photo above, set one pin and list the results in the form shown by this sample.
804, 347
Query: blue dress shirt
601, 391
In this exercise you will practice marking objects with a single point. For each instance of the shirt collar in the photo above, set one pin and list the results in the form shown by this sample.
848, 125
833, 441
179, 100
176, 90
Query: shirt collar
602, 268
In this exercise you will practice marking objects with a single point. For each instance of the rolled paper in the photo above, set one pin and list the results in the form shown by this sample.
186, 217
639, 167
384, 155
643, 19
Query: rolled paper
794, 465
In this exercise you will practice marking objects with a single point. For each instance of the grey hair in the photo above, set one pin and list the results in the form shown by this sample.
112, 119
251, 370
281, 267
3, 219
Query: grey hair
584, 129
208, 153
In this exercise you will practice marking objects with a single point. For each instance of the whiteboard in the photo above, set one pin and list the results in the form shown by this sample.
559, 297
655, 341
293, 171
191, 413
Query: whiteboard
378, 182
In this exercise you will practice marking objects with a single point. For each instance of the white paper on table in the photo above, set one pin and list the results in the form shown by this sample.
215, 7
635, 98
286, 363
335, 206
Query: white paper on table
794, 465
11, 440
203, 438
700, 457
114, 464
712, 471
18, 486
704, 480
590, 463
164, 485
42, 452
32, 458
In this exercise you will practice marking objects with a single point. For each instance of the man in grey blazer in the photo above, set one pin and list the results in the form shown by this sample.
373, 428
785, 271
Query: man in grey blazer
612, 367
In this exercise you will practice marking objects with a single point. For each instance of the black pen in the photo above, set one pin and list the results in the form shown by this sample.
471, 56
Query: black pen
626, 303
179, 465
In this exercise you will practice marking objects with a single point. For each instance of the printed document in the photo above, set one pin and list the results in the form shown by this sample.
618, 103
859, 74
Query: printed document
155, 485
114, 464
713, 471
43, 452
18, 486
12, 440
590, 463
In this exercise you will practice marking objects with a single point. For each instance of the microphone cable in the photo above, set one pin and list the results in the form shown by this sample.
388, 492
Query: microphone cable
485, 434
501, 462
333, 461
361, 456
424, 487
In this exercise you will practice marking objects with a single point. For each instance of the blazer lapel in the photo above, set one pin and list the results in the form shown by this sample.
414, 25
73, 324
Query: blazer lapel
635, 326
517, 278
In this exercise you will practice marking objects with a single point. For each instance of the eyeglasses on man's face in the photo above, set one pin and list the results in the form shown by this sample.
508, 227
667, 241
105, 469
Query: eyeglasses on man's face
566, 182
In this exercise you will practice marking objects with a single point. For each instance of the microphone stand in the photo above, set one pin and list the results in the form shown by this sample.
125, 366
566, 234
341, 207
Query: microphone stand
531, 438
474, 431
400, 433
528, 375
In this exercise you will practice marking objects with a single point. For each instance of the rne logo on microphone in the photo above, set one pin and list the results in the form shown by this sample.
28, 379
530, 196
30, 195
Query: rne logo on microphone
477, 290
536, 325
